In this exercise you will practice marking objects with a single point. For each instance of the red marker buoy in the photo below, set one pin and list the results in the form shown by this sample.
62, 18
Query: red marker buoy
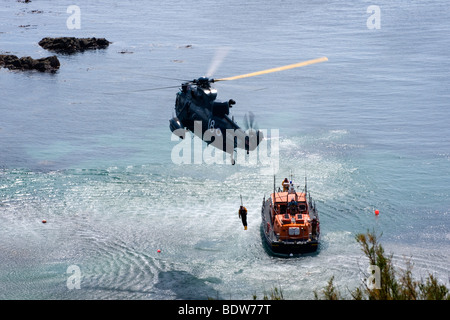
44, 221
159, 251
377, 212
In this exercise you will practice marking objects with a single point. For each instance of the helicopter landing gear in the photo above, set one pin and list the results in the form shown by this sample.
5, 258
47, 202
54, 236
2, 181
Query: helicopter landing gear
233, 162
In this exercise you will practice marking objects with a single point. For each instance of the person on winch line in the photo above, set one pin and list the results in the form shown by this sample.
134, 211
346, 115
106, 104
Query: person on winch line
243, 216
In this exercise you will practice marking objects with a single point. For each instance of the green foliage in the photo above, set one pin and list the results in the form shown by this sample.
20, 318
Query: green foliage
395, 285
329, 292
275, 294
432, 290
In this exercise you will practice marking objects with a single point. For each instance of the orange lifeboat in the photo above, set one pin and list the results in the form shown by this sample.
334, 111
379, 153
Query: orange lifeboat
290, 221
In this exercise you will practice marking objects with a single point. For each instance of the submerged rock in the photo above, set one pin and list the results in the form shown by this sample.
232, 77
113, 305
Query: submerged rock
12, 62
71, 45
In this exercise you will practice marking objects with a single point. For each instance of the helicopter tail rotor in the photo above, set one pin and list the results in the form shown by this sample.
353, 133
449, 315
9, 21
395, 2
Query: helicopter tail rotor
249, 121
253, 135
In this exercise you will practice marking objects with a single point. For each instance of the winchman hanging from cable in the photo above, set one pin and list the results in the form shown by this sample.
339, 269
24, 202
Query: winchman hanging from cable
243, 214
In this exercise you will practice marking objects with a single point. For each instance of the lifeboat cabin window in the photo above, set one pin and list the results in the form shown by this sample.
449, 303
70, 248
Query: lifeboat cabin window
302, 207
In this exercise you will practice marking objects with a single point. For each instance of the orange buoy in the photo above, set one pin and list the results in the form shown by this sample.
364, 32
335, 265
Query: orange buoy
44, 221
377, 212
158, 251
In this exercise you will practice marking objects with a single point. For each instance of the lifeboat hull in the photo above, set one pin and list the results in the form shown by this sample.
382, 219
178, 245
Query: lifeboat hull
288, 247
285, 245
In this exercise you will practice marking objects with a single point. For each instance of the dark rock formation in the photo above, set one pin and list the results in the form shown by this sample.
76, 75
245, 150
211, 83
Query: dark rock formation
12, 62
71, 45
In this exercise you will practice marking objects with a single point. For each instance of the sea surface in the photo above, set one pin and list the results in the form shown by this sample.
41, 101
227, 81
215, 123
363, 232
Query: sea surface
89, 148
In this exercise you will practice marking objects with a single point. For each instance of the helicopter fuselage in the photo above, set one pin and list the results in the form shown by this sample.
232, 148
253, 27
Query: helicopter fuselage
195, 107
198, 111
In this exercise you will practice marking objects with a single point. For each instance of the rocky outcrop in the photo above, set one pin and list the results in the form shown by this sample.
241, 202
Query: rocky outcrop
70, 45
12, 62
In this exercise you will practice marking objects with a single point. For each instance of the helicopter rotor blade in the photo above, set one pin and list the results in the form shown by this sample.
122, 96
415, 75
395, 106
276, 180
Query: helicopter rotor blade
218, 58
287, 67
251, 117
142, 90
249, 121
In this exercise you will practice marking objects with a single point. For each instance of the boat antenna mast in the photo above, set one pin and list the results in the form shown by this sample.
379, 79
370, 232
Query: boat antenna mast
306, 185
274, 186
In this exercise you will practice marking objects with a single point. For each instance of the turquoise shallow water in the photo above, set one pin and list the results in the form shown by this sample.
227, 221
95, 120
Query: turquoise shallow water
369, 128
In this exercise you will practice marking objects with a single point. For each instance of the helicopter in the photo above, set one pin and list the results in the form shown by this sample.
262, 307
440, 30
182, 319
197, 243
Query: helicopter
197, 111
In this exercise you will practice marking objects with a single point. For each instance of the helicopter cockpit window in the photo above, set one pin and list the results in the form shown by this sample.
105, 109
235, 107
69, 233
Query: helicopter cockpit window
209, 93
